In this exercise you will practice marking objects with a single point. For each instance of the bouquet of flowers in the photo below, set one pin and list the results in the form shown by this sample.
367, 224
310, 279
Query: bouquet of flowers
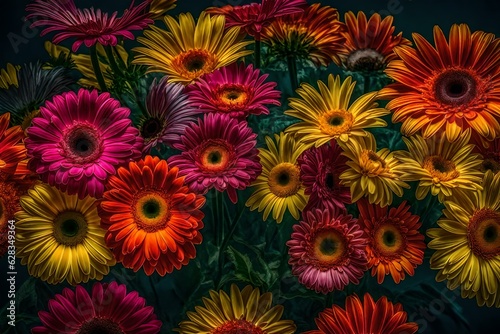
273, 167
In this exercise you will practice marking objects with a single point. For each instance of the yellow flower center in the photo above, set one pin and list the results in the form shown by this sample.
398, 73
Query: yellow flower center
239, 326
70, 228
388, 240
151, 211
483, 233
372, 164
329, 247
194, 63
233, 95
441, 170
284, 179
336, 122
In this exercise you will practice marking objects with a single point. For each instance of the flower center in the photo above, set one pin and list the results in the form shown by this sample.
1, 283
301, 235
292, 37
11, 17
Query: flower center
440, 169
335, 122
330, 181
328, 248
367, 60
151, 128
483, 233
233, 94
388, 240
100, 326
240, 326
372, 164
455, 87
70, 228
82, 143
284, 179
151, 211
490, 164
216, 155
194, 63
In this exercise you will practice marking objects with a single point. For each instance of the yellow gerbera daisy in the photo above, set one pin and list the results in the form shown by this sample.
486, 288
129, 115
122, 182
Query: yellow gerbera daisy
278, 187
158, 8
8, 76
467, 244
326, 114
59, 237
440, 166
245, 311
376, 175
189, 50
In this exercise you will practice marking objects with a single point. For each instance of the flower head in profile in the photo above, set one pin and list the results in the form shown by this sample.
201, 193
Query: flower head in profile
185, 57
314, 34
242, 311
79, 140
87, 26
109, 308
326, 114
362, 317
58, 237
253, 18
327, 250
218, 152
236, 90
168, 113
373, 174
467, 243
395, 246
369, 43
279, 188
448, 88
12, 150
152, 220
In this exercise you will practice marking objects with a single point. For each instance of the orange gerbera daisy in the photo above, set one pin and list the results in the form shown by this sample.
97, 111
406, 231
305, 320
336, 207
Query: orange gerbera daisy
12, 150
450, 88
369, 44
9, 205
151, 217
395, 246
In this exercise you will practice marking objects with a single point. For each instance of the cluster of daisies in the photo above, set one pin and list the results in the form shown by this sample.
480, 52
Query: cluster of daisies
91, 185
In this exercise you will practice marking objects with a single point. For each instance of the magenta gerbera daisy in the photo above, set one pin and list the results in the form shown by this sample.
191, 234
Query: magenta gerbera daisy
168, 112
218, 152
320, 168
88, 26
108, 309
327, 250
79, 140
235, 90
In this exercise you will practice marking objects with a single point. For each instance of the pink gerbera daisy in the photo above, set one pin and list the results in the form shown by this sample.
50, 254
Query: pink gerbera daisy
168, 112
255, 16
78, 141
320, 168
218, 152
234, 90
327, 250
109, 309
88, 26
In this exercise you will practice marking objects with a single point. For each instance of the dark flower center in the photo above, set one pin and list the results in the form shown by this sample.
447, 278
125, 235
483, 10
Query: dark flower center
328, 246
195, 63
490, 164
70, 228
82, 144
389, 238
151, 208
483, 233
442, 165
367, 60
330, 181
455, 87
100, 326
336, 121
283, 178
151, 127
214, 157
490, 234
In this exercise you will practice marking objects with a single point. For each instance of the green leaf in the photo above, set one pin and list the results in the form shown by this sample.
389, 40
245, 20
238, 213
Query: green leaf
244, 270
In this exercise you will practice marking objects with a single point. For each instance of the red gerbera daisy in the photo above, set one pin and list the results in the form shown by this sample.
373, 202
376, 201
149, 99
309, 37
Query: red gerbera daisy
218, 152
367, 317
255, 16
395, 246
88, 26
151, 217
234, 90
12, 150
109, 309
320, 168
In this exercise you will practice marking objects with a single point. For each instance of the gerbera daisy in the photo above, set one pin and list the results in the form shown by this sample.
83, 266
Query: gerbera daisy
372, 173
186, 57
158, 8
278, 187
245, 311
369, 44
327, 250
9, 205
395, 246
448, 88
168, 113
315, 34
218, 152
320, 169
152, 219
87, 26
367, 317
467, 244
108, 309
235, 90
8, 76
12, 150
440, 166
491, 155
326, 114
79, 140
254, 17
35, 86
59, 238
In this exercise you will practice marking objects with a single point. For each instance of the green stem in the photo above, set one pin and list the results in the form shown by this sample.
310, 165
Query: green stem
292, 70
257, 53
366, 82
216, 217
112, 61
97, 69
